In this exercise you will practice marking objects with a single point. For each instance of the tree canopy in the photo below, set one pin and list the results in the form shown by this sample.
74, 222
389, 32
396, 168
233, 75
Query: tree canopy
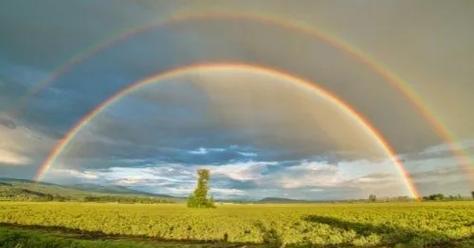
199, 198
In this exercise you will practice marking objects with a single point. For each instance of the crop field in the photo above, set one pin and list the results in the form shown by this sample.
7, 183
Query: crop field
433, 224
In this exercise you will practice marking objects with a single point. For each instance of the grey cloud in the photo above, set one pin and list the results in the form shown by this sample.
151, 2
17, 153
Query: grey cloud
429, 176
7, 123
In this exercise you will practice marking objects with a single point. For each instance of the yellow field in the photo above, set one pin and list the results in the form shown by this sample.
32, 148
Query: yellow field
415, 224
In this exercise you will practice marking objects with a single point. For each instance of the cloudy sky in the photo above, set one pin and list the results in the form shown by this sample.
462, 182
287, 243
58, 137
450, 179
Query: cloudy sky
260, 135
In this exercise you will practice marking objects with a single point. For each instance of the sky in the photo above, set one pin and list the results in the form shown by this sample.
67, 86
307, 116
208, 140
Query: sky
260, 134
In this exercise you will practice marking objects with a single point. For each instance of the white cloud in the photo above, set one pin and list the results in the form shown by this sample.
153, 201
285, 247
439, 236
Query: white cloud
248, 154
21, 146
226, 192
254, 179
185, 190
374, 180
442, 148
12, 158
243, 171
177, 179
68, 173
203, 151
178, 191
200, 151
309, 174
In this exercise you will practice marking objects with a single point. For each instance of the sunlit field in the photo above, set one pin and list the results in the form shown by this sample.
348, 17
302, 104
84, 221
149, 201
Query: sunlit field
236, 124
293, 225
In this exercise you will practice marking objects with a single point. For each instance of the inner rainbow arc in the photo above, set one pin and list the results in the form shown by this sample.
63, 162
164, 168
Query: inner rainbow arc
357, 117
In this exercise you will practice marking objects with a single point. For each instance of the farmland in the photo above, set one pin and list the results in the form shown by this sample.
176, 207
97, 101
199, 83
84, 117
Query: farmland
412, 224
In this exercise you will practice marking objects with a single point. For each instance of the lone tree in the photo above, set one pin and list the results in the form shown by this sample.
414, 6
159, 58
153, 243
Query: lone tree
199, 199
372, 197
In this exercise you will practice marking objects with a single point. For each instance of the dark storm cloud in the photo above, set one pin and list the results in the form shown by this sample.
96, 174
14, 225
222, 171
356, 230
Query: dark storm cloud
7, 123
442, 151
10, 91
45, 35
92, 82
192, 43
434, 174
449, 180
11, 171
171, 131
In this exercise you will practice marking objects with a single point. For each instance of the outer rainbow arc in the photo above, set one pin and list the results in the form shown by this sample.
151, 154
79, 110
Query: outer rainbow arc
414, 99
346, 108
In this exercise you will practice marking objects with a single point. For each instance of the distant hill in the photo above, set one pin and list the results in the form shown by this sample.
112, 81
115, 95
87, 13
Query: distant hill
114, 189
27, 190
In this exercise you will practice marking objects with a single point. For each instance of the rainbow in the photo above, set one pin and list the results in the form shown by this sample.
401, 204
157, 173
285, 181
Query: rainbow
357, 117
393, 79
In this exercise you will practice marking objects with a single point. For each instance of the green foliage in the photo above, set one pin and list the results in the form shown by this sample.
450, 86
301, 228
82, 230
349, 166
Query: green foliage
124, 199
441, 197
410, 224
435, 197
19, 238
22, 238
372, 197
19, 194
199, 198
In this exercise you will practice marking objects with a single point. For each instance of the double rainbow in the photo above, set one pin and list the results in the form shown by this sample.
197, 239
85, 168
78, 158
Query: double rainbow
394, 80
357, 117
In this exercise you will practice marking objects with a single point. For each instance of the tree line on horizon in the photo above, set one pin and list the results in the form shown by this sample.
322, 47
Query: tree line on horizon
432, 197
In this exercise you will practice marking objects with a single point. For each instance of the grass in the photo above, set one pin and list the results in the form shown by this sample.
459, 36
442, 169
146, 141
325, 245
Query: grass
427, 224
12, 236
